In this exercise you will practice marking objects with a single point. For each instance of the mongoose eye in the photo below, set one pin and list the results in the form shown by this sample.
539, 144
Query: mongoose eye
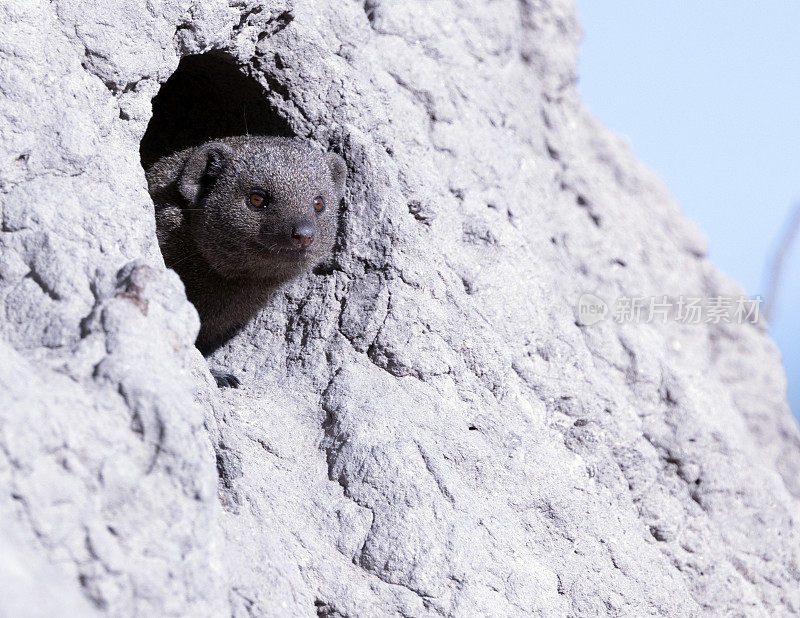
319, 203
258, 199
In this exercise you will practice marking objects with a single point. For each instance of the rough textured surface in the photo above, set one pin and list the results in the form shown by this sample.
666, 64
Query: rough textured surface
424, 429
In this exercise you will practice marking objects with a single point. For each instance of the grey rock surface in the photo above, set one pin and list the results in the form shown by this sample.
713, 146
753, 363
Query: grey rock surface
425, 429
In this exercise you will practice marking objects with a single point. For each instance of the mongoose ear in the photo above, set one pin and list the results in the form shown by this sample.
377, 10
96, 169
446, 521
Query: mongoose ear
338, 170
203, 167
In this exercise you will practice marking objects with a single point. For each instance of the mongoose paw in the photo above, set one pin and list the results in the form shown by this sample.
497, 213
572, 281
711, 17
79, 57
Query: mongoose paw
225, 379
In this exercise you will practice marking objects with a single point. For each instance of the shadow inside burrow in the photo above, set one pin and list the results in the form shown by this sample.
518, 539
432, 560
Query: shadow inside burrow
207, 97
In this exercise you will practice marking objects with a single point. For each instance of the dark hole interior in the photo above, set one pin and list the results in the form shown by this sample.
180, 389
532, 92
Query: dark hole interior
207, 97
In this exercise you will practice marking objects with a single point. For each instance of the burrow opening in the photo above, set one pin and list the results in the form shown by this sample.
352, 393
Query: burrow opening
207, 97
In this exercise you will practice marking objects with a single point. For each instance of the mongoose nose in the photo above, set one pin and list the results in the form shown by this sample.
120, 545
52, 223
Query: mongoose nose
303, 234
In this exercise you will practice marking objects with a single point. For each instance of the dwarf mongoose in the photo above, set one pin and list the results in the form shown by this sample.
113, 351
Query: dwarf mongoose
238, 215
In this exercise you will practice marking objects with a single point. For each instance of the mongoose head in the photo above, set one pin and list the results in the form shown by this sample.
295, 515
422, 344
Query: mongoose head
262, 207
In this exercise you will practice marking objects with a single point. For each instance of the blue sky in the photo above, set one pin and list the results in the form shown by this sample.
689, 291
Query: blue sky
708, 96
